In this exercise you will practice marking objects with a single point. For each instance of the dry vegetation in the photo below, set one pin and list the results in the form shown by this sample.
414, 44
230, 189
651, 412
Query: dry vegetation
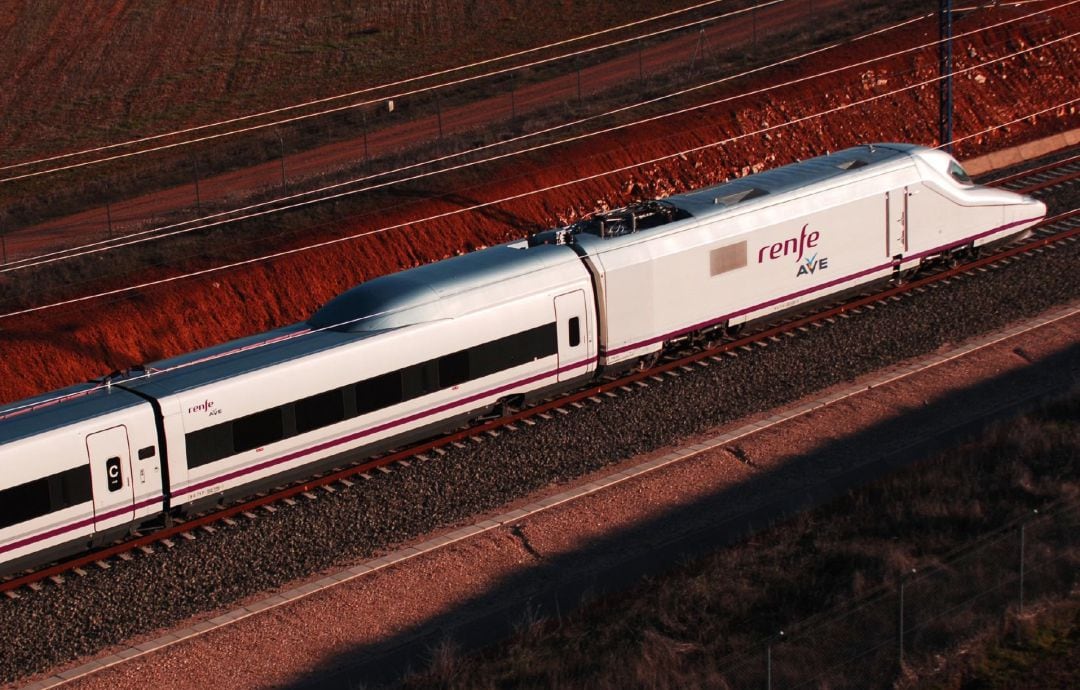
835, 569
128, 69
28, 201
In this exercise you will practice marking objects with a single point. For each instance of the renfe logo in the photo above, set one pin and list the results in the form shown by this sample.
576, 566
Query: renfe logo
204, 406
797, 245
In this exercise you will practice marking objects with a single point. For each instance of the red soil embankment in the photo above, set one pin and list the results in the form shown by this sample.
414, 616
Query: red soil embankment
53, 348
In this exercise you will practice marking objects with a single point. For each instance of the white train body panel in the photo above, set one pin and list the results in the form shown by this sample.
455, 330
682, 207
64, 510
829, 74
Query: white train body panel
744, 250
71, 473
477, 320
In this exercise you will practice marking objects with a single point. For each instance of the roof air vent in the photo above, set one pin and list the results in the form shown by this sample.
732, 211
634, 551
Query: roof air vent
741, 195
852, 164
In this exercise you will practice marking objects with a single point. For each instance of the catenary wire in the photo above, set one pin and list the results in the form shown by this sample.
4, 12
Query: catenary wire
198, 223
20, 408
39, 403
163, 232
350, 106
533, 192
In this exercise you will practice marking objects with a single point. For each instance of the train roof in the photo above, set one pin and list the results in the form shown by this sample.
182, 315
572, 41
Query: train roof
427, 293
611, 229
229, 359
388, 302
414, 296
789, 178
65, 407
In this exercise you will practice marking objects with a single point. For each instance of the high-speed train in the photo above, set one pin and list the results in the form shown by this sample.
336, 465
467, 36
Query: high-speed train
406, 355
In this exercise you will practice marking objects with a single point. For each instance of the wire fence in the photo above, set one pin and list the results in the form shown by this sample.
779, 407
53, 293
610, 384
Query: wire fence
913, 624
373, 139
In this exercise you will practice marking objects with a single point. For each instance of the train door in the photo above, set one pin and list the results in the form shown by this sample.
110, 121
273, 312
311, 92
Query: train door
110, 475
572, 329
896, 222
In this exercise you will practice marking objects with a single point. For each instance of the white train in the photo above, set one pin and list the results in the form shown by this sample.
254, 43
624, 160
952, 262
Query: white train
409, 354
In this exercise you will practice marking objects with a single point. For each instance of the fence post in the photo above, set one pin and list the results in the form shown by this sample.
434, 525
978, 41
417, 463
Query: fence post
768, 659
901, 625
198, 199
1023, 535
513, 104
640, 62
768, 667
281, 143
367, 153
901, 616
438, 113
1022, 528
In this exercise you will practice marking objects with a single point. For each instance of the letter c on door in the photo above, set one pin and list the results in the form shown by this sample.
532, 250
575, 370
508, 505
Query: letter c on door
112, 473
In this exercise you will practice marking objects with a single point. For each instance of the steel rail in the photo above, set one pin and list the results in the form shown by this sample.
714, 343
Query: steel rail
1033, 171
1047, 183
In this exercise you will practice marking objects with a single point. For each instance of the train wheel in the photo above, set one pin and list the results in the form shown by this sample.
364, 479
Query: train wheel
648, 361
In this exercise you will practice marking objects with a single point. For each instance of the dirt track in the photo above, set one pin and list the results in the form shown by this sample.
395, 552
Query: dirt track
47, 350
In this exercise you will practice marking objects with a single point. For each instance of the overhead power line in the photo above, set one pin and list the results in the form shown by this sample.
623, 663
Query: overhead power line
328, 192
548, 188
360, 92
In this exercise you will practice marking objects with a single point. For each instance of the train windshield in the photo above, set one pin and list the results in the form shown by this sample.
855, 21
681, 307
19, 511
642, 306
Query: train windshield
957, 172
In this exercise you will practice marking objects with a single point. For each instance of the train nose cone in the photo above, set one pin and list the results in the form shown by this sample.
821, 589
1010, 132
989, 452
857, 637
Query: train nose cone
1033, 208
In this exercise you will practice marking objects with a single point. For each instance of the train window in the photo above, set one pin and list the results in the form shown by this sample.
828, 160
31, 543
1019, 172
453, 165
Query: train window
727, 258
146, 453
513, 350
489, 358
259, 429
454, 369
71, 487
379, 392
575, 332
45, 495
207, 445
420, 379
320, 410
959, 174
535, 343
24, 502
228, 438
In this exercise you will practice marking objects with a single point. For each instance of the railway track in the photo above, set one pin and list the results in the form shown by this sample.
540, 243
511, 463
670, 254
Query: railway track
1056, 231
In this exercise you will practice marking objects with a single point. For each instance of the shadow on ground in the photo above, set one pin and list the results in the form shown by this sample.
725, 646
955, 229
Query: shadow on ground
618, 560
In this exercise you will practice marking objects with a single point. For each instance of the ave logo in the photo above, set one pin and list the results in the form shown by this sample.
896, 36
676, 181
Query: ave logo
808, 266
